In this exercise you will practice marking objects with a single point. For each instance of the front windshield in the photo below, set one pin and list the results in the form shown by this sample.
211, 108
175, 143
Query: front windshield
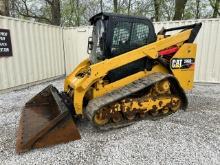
97, 52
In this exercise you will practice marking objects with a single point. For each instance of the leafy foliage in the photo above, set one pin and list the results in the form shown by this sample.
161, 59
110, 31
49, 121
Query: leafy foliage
78, 12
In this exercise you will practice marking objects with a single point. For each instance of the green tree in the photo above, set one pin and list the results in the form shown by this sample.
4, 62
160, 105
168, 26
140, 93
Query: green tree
179, 9
115, 4
215, 4
48, 11
157, 4
78, 12
4, 7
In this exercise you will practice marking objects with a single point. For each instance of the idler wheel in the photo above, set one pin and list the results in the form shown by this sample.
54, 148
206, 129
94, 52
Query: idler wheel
117, 117
101, 119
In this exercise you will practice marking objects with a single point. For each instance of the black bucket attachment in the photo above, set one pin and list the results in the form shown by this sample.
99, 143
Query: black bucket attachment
45, 121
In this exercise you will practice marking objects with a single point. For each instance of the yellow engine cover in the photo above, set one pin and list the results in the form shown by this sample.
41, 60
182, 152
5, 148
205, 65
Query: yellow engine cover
183, 65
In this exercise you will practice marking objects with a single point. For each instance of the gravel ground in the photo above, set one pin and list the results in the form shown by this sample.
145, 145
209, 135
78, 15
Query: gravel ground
186, 137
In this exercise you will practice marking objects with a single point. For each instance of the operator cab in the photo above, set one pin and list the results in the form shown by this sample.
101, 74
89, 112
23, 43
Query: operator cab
115, 34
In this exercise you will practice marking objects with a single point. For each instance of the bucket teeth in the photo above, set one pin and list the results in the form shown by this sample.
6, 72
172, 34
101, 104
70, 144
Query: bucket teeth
45, 121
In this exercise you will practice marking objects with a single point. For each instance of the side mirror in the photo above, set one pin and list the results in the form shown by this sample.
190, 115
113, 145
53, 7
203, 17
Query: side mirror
90, 45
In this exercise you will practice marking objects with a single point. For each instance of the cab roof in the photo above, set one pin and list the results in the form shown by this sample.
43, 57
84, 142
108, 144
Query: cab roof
106, 15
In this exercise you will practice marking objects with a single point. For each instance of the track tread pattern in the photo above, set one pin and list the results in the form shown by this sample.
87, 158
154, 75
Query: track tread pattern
97, 103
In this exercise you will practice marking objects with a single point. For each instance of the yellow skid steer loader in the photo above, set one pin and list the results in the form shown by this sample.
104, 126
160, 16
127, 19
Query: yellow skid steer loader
131, 74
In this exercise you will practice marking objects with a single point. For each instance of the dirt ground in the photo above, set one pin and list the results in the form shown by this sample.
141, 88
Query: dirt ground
186, 137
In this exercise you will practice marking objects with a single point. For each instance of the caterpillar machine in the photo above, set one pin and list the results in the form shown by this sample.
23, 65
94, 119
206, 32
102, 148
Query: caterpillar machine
130, 75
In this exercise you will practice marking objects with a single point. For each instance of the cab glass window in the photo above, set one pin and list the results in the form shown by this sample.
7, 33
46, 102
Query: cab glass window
128, 36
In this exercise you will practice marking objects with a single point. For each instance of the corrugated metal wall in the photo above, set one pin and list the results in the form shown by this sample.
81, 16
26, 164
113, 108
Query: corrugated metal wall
37, 53
39, 50
75, 45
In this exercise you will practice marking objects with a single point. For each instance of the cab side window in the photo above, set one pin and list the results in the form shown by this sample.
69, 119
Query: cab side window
121, 36
139, 35
128, 36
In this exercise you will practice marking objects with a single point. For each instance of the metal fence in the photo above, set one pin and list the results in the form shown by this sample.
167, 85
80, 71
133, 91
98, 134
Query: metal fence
43, 51
37, 53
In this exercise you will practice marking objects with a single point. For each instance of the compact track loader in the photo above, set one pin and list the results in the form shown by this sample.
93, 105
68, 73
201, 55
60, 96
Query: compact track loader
132, 74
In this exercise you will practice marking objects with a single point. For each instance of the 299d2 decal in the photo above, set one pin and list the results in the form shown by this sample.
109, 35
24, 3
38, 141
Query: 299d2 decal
182, 63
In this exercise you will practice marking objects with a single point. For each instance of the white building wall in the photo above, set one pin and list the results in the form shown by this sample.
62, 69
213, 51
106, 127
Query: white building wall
37, 53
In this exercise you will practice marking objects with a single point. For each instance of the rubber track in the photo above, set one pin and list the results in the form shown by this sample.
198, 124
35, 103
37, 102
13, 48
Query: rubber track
97, 103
